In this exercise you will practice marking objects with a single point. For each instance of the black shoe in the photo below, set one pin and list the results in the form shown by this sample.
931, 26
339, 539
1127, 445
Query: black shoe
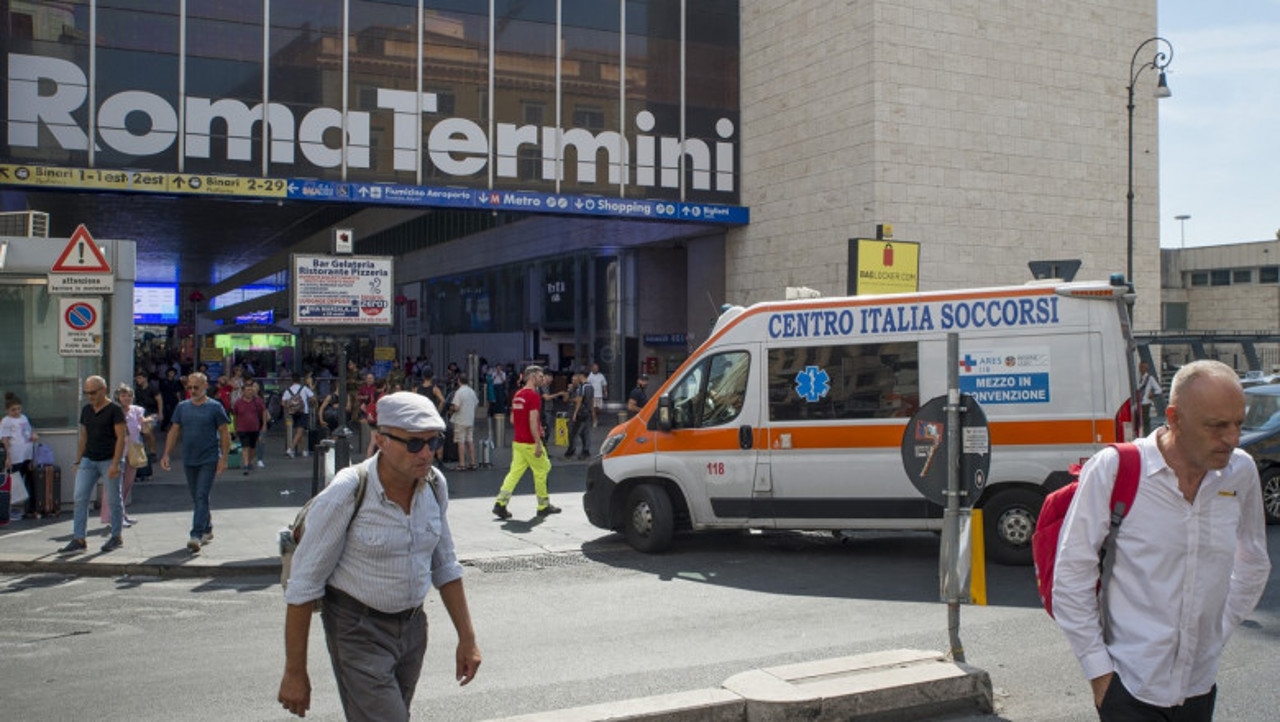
75, 546
568, 454
501, 512
113, 544
548, 510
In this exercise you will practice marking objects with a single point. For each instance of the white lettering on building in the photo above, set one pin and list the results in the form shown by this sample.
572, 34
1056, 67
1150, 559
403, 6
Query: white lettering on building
45, 92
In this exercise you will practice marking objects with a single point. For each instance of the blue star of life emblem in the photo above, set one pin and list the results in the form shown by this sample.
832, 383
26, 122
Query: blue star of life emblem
812, 383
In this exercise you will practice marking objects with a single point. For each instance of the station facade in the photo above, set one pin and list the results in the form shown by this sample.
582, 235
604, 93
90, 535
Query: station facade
590, 180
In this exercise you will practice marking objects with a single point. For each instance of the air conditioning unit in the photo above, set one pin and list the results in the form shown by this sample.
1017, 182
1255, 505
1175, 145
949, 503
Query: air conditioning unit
29, 224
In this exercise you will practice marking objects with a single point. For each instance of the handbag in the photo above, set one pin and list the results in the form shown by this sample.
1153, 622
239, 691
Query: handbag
137, 455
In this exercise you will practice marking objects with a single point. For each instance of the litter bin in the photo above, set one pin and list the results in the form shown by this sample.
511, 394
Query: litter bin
562, 429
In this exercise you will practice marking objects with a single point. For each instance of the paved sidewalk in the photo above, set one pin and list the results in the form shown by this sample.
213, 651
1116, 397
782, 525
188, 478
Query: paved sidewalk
249, 511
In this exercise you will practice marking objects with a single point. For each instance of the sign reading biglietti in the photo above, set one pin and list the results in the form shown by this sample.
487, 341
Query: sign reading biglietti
50, 116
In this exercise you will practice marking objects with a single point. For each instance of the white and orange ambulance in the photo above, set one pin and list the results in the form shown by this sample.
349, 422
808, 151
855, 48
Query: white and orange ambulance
791, 415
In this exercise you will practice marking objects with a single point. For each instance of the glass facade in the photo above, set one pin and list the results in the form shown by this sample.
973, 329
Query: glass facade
631, 98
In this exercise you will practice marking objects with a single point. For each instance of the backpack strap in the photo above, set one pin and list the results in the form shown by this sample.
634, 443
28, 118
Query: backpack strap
1123, 494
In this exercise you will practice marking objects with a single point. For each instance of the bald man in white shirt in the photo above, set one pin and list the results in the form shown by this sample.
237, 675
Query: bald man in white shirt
1191, 557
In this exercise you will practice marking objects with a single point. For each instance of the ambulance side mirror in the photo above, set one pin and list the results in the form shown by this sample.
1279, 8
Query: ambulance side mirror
664, 412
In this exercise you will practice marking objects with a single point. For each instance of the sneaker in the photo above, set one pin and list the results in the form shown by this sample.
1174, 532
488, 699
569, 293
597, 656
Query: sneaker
246, 471
193, 544
289, 453
113, 544
206, 538
548, 510
75, 546
306, 453
500, 510
129, 521
261, 465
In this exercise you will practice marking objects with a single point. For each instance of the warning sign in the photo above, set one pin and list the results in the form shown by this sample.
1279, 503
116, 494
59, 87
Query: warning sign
81, 267
80, 326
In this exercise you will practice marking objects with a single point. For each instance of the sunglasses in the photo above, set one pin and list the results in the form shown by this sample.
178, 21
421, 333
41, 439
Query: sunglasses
417, 445
93, 392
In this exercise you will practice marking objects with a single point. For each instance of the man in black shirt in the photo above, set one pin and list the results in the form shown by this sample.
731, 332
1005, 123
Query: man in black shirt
102, 440
639, 397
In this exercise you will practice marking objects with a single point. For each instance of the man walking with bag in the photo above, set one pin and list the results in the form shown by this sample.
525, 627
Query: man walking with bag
372, 566
1191, 558
102, 440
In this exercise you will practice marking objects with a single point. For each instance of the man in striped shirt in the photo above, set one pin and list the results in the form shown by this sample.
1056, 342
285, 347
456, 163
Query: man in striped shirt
372, 567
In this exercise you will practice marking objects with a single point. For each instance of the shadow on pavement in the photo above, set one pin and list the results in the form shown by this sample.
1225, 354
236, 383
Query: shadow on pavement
882, 566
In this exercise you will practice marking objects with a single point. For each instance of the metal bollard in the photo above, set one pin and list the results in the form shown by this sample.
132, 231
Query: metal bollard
499, 431
318, 457
342, 448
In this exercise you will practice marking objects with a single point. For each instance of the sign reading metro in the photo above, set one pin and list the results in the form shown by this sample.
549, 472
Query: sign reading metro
47, 93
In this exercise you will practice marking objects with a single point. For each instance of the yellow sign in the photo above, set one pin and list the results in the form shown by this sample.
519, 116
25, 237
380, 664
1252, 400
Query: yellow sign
384, 353
879, 266
129, 180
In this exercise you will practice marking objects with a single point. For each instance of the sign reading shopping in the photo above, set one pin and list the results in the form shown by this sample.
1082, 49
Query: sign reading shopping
1006, 375
342, 290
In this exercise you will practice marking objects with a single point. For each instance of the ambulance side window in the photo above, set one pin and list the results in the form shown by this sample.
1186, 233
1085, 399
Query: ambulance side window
848, 381
711, 393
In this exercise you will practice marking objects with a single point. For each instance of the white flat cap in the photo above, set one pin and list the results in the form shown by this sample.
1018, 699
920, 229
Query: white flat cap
409, 411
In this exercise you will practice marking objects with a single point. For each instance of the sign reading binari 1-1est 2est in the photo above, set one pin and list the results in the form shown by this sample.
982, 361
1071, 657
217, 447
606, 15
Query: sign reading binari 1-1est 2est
342, 290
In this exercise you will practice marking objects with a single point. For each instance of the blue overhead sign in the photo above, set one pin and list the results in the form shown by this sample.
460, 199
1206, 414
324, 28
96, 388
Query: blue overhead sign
526, 201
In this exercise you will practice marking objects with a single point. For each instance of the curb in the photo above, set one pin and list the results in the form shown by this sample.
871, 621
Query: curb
900, 684
140, 569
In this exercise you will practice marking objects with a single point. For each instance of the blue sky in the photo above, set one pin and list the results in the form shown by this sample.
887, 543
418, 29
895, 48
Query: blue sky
1220, 131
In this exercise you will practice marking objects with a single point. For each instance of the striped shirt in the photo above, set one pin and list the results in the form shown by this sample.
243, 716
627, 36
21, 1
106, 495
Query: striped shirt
388, 558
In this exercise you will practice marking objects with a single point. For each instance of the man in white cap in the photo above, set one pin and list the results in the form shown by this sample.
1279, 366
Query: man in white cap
372, 569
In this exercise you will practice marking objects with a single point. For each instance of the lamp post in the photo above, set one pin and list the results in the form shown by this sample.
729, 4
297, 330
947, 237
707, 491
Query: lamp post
1182, 219
1158, 62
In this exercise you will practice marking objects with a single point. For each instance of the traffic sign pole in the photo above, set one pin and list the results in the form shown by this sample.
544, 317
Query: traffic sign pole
951, 519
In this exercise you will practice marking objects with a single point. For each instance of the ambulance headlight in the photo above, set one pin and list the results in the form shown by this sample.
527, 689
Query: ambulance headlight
611, 443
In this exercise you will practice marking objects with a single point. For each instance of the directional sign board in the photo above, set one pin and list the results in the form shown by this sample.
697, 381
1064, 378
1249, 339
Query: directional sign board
79, 326
81, 267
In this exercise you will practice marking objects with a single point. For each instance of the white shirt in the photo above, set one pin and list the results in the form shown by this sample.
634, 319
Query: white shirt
388, 558
1149, 388
596, 379
18, 431
1185, 574
465, 400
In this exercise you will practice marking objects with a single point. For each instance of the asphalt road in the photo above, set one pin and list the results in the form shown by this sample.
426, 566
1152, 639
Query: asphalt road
563, 630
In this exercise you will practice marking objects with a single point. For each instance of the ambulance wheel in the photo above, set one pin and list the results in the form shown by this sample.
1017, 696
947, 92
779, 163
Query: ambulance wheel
650, 523
1271, 494
1010, 520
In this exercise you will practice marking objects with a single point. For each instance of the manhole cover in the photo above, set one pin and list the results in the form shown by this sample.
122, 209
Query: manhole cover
528, 562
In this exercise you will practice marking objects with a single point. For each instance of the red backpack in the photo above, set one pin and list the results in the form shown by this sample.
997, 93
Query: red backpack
1044, 543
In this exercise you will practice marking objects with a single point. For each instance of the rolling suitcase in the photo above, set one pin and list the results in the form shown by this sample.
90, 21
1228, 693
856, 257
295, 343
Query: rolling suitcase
48, 489
486, 453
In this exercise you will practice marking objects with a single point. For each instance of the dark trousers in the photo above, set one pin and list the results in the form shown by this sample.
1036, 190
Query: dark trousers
1120, 706
580, 436
29, 483
377, 661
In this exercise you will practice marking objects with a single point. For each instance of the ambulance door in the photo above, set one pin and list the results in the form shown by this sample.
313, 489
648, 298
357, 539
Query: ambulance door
711, 450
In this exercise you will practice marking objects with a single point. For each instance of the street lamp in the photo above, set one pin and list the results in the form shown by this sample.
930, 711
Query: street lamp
1182, 219
1158, 62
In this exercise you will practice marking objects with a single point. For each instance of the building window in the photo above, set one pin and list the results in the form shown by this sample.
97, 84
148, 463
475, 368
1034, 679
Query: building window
1220, 277
1175, 316
590, 117
1200, 278
1242, 275
533, 113
445, 103
1269, 274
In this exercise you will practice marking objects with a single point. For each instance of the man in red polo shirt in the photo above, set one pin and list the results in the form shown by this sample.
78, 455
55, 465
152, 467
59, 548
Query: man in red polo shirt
527, 449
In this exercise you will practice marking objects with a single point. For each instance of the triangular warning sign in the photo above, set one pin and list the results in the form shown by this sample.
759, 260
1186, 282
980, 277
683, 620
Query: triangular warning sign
81, 255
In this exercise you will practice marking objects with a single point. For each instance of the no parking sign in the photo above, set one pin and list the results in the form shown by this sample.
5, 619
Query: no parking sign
80, 326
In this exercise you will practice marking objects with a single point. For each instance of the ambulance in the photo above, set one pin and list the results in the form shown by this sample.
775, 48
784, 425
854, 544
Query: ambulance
791, 414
